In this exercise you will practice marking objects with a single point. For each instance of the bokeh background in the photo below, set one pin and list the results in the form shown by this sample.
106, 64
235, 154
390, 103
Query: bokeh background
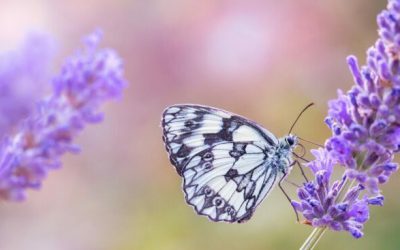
262, 59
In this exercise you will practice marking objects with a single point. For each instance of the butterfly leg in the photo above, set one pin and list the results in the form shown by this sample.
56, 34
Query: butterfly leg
294, 184
291, 182
287, 197
302, 171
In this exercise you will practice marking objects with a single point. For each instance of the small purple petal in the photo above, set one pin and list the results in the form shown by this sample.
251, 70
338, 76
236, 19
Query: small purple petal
378, 127
353, 65
297, 206
376, 201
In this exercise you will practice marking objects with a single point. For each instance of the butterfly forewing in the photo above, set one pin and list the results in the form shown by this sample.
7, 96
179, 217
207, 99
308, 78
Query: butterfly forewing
223, 159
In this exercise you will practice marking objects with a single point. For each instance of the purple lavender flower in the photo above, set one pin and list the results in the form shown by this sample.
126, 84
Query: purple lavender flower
319, 200
24, 76
365, 136
87, 80
365, 120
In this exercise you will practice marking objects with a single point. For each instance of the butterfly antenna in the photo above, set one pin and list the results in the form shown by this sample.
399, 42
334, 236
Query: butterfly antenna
304, 109
313, 143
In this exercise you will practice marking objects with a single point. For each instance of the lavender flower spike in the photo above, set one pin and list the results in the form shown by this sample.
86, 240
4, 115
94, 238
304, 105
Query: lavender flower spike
87, 79
319, 200
365, 136
365, 120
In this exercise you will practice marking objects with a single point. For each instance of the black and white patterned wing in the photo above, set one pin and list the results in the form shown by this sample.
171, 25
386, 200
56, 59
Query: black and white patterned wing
223, 159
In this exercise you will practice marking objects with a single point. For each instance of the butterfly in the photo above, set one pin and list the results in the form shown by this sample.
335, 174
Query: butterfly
228, 163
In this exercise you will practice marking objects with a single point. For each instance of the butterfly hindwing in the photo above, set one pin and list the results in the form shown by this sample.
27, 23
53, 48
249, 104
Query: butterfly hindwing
226, 182
223, 159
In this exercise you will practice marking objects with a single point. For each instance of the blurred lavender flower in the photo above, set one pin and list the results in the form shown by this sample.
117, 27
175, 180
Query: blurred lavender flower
366, 134
87, 79
24, 75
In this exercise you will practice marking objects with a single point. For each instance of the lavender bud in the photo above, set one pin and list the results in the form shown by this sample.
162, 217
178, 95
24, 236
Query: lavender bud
359, 131
391, 166
353, 193
356, 233
303, 194
381, 19
376, 201
361, 177
383, 179
353, 66
336, 226
374, 100
297, 206
384, 111
377, 127
335, 212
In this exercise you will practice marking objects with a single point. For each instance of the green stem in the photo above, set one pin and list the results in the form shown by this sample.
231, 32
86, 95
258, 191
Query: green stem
313, 239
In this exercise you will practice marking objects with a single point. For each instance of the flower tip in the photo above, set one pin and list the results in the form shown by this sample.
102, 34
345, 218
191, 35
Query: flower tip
355, 231
94, 38
297, 206
352, 60
355, 70
302, 194
376, 201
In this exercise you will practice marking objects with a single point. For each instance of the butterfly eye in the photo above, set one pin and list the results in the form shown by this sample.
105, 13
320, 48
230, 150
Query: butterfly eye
290, 141
218, 202
208, 156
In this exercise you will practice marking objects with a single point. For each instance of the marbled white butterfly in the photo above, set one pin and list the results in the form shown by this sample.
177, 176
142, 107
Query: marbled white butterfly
228, 163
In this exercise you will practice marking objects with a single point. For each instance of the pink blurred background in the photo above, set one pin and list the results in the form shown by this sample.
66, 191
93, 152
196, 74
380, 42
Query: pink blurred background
264, 60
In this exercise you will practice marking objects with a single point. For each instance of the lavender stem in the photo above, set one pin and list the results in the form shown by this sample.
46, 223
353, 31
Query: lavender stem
313, 239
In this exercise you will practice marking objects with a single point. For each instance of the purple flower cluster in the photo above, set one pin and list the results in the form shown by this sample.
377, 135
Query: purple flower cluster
365, 121
366, 134
87, 79
319, 200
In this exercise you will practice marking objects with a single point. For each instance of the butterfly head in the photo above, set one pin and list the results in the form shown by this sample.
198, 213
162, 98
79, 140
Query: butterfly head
290, 141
